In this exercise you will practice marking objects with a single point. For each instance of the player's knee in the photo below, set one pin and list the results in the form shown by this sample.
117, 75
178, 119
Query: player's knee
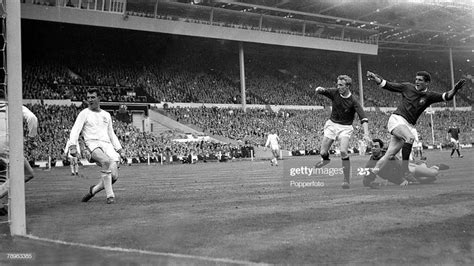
410, 139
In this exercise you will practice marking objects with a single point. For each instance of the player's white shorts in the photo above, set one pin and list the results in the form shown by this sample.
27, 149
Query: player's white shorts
72, 159
274, 147
454, 141
107, 148
333, 130
397, 120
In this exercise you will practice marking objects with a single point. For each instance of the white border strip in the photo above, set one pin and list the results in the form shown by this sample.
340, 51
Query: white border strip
116, 249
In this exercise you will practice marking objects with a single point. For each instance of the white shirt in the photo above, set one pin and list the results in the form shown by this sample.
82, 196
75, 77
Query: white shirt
94, 126
272, 140
30, 118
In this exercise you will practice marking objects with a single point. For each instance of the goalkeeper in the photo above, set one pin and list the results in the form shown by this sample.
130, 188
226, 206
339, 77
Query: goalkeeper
392, 170
95, 125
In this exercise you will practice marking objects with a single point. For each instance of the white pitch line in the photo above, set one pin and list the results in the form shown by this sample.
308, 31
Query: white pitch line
131, 250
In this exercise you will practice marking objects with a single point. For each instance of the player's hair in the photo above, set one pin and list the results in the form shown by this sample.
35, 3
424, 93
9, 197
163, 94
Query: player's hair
425, 75
93, 90
346, 78
379, 141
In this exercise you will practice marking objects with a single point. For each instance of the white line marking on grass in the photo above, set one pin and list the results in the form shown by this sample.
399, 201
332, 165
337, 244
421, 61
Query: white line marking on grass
146, 252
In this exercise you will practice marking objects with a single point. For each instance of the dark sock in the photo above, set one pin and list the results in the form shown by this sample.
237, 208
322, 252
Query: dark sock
346, 168
452, 152
406, 150
325, 156
459, 154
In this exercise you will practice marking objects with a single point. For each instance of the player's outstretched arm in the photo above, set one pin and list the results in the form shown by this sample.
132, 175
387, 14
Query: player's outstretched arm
320, 90
374, 77
450, 94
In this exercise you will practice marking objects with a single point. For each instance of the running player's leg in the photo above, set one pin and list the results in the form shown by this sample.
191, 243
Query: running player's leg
346, 163
109, 168
325, 145
423, 174
453, 144
71, 164
330, 134
404, 133
457, 149
394, 147
76, 166
276, 154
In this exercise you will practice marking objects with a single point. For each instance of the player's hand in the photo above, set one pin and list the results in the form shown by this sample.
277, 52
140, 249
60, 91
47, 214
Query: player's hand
121, 152
374, 77
73, 150
404, 183
319, 89
459, 84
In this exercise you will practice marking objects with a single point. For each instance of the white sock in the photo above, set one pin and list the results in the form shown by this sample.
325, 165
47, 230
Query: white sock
107, 181
98, 187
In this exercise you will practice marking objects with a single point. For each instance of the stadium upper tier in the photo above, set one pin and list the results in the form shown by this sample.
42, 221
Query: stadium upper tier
60, 61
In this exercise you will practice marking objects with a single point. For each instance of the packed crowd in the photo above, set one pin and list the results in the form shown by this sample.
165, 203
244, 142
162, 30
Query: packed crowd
298, 130
56, 121
302, 129
158, 68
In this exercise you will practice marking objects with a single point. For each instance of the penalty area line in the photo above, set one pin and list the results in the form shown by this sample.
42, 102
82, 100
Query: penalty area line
138, 251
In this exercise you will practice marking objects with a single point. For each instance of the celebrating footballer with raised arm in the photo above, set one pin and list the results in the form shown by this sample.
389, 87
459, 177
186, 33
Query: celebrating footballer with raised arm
339, 126
95, 125
401, 124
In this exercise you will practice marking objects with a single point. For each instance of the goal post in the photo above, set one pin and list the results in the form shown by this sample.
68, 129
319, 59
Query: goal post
17, 212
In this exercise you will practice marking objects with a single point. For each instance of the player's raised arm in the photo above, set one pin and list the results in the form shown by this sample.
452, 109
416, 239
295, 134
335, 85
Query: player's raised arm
391, 86
320, 90
450, 94
31, 120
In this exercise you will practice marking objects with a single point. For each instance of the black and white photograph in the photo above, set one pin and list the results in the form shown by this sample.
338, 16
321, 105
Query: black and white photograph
237, 132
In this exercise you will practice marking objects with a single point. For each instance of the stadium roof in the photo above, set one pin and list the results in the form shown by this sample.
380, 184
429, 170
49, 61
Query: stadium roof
429, 25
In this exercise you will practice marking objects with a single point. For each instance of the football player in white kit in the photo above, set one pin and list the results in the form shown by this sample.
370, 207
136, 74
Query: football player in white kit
32, 122
272, 142
95, 125
74, 162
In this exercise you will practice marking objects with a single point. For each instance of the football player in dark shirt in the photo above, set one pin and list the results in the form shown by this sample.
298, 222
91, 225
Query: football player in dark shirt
453, 136
339, 125
392, 170
415, 99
